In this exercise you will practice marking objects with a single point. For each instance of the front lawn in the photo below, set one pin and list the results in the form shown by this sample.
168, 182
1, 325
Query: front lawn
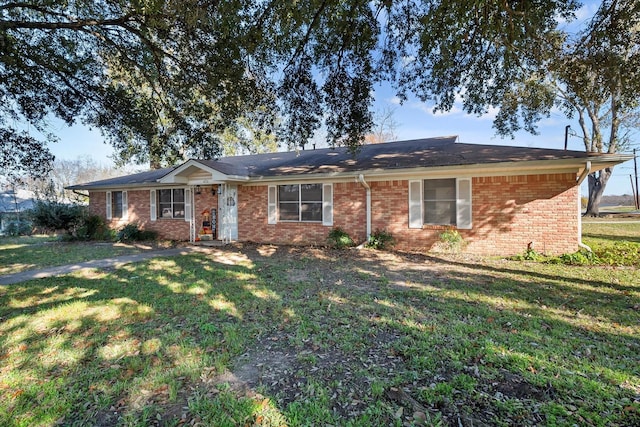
262, 335
24, 253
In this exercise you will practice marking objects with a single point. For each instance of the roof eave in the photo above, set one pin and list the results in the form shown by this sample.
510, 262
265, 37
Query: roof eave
598, 162
478, 169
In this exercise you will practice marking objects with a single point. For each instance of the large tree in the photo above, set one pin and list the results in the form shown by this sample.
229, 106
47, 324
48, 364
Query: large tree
599, 82
164, 79
161, 79
592, 75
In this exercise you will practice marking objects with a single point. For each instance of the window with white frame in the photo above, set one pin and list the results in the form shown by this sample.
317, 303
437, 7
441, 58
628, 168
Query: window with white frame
170, 203
439, 198
117, 206
440, 202
300, 203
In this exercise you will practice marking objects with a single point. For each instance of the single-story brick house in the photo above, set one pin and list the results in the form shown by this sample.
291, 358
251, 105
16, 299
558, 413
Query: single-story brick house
499, 198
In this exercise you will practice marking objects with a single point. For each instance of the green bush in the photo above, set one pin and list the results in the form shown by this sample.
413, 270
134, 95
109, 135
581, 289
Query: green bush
578, 258
619, 254
452, 239
54, 216
622, 253
93, 227
529, 255
18, 228
338, 238
381, 239
132, 233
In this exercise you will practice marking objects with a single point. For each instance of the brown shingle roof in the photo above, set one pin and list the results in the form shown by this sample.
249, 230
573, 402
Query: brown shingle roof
417, 153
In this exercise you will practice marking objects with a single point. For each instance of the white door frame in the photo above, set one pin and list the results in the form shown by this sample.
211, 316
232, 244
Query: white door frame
228, 212
192, 214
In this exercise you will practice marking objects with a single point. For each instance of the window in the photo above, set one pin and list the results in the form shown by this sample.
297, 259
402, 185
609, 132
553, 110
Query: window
116, 204
170, 203
440, 202
117, 207
300, 203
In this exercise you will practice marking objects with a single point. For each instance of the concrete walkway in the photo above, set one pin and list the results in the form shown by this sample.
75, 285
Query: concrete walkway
61, 270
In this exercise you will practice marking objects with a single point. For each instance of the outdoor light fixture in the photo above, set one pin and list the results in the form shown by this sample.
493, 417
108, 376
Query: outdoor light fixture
198, 189
213, 190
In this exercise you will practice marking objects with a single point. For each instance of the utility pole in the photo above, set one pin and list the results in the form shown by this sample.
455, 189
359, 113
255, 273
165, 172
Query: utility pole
635, 167
633, 190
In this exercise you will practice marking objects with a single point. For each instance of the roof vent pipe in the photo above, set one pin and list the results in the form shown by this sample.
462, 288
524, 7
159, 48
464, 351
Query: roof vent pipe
566, 136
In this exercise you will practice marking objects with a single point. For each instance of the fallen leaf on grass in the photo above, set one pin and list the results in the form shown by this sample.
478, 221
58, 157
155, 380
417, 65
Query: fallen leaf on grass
399, 412
162, 389
419, 417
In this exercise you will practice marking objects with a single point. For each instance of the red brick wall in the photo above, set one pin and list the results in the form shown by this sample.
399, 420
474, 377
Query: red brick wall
349, 212
509, 212
139, 212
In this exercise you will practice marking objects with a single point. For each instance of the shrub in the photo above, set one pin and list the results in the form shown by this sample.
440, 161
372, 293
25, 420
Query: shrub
93, 227
620, 253
54, 216
18, 228
132, 233
381, 239
579, 258
452, 239
338, 238
529, 255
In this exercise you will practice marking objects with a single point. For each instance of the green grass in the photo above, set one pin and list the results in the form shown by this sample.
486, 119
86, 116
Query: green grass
287, 336
599, 233
614, 243
19, 254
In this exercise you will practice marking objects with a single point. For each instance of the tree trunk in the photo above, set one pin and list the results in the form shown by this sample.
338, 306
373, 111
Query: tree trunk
597, 183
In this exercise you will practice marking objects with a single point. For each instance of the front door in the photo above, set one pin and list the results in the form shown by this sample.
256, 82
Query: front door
228, 204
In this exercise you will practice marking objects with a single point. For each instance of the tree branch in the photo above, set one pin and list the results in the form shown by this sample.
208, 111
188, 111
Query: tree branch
307, 36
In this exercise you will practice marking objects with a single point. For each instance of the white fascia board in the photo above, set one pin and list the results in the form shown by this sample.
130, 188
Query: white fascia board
535, 167
179, 175
315, 178
133, 187
174, 176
